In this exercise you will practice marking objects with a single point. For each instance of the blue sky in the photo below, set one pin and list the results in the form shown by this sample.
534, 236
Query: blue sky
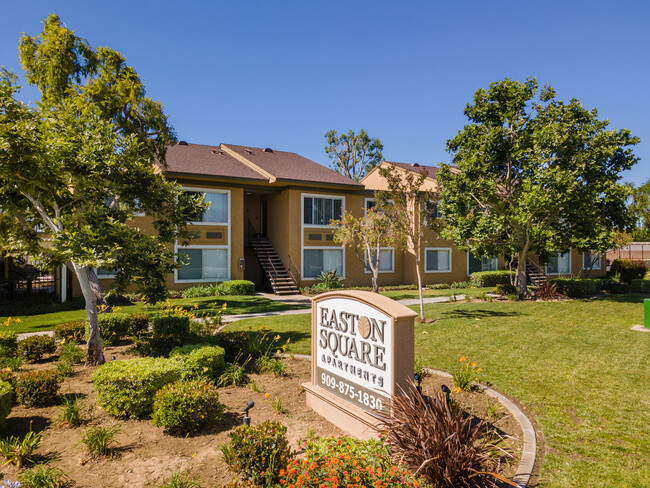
281, 73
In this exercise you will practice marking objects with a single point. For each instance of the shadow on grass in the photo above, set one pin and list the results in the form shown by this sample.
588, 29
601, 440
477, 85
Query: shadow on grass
479, 313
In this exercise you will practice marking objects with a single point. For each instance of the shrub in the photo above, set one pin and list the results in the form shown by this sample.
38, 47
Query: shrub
113, 327
6, 400
200, 291
19, 451
265, 364
71, 332
64, 368
127, 388
38, 388
615, 287
99, 440
179, 480
506, 289
8, 344
187, 406
258, 453
233, 343
175, 327
138, 324
490, 278
199, 361
576, 287
640, 286
439, 286
35, 347
464, 449
44, 477
459, 284
546, 291
72, 413
237, 287
465, 375
627, 270
70, 353
345, 461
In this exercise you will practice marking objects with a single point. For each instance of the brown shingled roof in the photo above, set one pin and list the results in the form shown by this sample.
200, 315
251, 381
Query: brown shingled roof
291, 166
417, 168
207, 161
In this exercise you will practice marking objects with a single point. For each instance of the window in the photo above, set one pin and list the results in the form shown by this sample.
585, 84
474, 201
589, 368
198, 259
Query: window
475, 264
432, 209
103, 273
386, 263
319, 211
559, 263
437, 260
203, 264
370, 204
591, 260
217, 212
317, 260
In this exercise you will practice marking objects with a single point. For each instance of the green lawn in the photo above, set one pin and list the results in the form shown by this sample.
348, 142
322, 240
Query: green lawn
413, 294
575, 366
234, 305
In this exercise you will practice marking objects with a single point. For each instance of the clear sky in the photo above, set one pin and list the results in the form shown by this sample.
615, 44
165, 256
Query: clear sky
280, 73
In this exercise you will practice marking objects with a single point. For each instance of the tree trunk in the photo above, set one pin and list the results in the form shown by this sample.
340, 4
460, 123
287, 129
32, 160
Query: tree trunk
94, 353
97, 291
375, 281
520, 278
419, 275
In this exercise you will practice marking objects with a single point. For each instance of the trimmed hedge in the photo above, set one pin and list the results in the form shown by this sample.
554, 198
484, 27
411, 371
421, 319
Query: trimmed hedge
71, 331
615, 287
113, 327
237, 287
33, 348
138, 324
6, 400
127, 388
174, 326
483, 279
234, 343
8, 344
628, 270
187, 406
576, 287
200, 361
640, 286
38, 388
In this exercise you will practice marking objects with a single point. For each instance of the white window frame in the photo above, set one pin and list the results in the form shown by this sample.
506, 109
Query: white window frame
468, 272
559, 274
438, 249
322, 248
315, 195
212, 190
203, 246
597, 265
110, 276
392, 260
365, 205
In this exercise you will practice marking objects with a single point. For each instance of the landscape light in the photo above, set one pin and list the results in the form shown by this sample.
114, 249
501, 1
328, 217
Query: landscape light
247, 407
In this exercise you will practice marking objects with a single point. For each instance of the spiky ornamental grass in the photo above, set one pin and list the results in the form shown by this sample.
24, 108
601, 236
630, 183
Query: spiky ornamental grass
441, 443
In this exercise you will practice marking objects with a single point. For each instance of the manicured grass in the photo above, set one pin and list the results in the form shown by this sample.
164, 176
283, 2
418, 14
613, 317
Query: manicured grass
576, 367
413, 294
234, 305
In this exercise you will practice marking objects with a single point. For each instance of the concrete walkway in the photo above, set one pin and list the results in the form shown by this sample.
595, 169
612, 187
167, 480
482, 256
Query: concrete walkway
301, 299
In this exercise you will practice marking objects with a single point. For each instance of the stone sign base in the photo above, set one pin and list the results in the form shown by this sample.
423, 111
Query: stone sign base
349, 418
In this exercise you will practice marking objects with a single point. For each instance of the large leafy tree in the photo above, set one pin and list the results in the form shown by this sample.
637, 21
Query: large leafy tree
639, 205
533, 175
366, 236
407, 205
79, 162
353, 155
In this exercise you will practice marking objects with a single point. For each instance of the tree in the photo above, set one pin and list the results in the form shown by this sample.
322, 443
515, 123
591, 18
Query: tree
353, 155
366, 235
76, 165
408, 206
639, 205
533, 176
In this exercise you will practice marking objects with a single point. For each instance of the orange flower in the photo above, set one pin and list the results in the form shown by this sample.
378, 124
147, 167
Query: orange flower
479, 370
267, 394
462, 359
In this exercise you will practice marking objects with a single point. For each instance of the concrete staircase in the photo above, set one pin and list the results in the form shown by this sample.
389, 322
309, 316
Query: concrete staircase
279, 277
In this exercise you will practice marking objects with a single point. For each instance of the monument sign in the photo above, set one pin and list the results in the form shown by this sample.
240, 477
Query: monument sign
362, 353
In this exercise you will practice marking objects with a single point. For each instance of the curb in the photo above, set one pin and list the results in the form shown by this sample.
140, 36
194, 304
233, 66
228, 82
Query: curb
529, 450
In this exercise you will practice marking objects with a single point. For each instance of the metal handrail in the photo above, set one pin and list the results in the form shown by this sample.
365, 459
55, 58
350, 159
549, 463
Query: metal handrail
294, 265
535, 265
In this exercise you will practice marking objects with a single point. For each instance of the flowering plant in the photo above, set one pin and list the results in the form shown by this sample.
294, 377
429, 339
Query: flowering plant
466, 375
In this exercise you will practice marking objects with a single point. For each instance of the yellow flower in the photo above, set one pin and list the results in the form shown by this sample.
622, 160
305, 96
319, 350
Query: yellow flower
205, 369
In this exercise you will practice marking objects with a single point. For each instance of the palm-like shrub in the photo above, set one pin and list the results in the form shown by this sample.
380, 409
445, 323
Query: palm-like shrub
447, 447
